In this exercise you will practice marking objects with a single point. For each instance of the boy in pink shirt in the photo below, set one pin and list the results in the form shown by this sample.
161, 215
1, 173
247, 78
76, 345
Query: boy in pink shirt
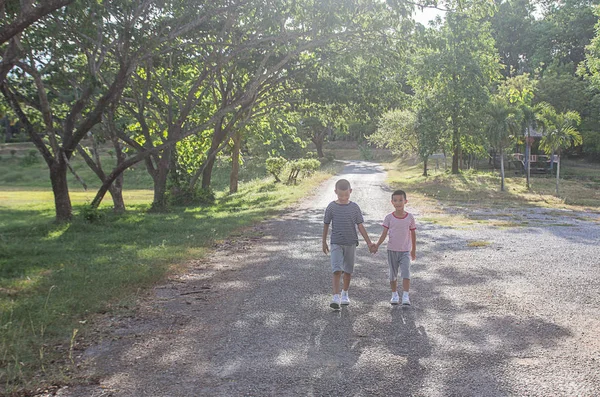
403, 240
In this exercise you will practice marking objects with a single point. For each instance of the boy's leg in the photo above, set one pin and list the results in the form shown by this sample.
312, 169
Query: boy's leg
346, 279
394, 265
393, 268
348, 263
405, 274
405, 284
337, 266
336, 282
337, 258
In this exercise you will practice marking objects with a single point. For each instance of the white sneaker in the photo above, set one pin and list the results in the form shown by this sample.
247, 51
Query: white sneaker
405, 299
345, 301
335, 302
395, 299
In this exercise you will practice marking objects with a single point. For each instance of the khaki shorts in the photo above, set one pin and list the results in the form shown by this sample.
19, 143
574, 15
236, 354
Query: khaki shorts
342, 258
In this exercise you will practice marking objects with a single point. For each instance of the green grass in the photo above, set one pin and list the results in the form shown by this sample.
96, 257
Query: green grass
56, 277
449, 198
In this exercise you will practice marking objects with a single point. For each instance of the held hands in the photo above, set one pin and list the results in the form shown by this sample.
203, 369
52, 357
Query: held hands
373, 248
325, 248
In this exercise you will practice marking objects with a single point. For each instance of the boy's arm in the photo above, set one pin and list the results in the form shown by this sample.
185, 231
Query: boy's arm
325, 231
413, 251
383, 236
363, 232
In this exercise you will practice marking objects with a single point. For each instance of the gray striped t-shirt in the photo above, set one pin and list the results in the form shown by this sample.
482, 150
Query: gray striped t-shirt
343, 219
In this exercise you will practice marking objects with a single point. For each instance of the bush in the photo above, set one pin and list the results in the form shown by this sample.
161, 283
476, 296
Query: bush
13, 152
302, 167
183, 197
31, 158
275, 166
90, 214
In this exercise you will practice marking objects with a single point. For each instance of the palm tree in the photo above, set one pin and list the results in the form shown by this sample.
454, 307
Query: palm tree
559, 133
502, 126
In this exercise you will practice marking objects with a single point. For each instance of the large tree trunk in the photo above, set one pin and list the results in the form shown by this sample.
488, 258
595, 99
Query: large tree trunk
207, 173
235, 162
159, 203
60, 188
116, 192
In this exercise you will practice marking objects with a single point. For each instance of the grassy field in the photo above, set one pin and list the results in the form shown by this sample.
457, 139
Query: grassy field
448, 197
55, 278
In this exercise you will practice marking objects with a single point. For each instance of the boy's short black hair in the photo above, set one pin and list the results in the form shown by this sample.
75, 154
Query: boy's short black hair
342, 184
399, 193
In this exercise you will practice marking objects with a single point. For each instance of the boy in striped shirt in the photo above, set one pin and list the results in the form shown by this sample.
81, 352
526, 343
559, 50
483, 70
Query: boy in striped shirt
344, 217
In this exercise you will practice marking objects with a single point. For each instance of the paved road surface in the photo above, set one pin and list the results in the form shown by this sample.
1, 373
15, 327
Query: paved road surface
517, 316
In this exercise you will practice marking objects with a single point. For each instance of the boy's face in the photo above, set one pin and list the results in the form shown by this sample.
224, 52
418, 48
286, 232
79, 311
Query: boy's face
343, 195
398, 201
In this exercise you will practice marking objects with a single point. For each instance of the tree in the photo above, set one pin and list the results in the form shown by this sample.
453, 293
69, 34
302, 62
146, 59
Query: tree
501, 127
75, 67
458, 62
268, 49
566, 28
560, 132
397, 131
520, 91
511, 29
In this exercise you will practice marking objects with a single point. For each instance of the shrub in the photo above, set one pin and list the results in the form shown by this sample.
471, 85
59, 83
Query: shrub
275, 166
303, 167
13, 152
30, 159
185, 197
90, 214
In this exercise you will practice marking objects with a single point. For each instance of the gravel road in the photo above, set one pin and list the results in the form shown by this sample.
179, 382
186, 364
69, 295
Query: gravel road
496, 312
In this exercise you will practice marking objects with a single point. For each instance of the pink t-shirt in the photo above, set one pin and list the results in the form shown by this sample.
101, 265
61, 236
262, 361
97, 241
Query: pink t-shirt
399, 231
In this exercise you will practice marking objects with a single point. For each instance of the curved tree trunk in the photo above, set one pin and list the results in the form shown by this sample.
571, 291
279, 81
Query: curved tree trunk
217, 139
425, 166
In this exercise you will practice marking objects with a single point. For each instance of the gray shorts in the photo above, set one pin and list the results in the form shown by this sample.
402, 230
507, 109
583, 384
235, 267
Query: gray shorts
342, 258
399, 260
